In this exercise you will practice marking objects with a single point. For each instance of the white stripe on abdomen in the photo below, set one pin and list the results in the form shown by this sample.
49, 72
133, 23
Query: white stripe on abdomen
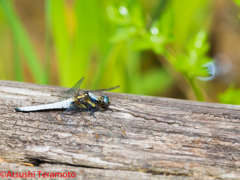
58, 105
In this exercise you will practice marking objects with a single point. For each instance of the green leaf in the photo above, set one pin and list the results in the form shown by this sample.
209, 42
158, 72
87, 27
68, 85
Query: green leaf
142, 43
129, 19
230, 96
120, 35
159, 36
191, 63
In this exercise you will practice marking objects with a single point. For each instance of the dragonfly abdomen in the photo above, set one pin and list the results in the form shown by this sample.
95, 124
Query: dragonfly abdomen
58, 105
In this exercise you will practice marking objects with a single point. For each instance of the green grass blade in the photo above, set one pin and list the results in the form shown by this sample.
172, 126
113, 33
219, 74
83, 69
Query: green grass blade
190, 20
20, 36
86, 41
61, 39
108, 65
47, 58
160, 8
2, 71
17, 63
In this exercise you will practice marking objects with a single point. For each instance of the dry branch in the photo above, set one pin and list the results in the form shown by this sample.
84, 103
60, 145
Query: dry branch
165, 138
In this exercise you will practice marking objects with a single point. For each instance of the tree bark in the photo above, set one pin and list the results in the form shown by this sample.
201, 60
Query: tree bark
165, 138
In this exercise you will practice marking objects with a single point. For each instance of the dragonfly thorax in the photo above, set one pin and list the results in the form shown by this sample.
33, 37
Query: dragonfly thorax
92, 96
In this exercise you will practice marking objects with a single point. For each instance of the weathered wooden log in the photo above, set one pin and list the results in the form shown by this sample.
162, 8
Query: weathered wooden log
165, 138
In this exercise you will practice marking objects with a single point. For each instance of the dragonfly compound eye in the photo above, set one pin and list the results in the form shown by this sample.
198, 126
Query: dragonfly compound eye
105, 101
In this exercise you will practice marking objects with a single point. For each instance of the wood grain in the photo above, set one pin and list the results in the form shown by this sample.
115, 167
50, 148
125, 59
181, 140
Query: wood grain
165, 138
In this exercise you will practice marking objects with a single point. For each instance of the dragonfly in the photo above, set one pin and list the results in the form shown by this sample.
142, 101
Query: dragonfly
76, 100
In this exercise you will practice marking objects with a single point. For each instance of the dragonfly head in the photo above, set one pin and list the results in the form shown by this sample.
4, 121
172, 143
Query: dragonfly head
104, 102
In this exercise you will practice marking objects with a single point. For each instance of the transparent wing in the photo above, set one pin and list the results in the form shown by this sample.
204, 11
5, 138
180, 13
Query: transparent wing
71, 92
72, 110
106, 89
71, 113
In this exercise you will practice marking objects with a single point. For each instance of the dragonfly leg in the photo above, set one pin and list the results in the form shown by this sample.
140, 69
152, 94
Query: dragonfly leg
98, 107
109, 109
93, 114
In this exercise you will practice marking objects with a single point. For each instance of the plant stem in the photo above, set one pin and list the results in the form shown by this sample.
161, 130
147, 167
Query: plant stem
195, 88
172, 59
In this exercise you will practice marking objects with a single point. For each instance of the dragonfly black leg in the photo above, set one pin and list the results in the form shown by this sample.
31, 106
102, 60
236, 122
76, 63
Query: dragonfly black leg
93, 114
98, 107
109, 109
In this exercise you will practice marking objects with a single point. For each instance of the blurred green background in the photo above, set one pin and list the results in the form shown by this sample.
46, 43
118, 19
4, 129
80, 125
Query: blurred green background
148, 47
